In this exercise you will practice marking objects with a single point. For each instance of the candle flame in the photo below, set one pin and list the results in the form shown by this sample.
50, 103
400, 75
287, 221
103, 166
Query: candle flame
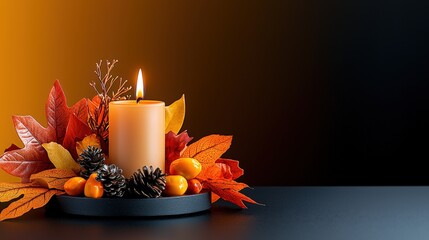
140, 89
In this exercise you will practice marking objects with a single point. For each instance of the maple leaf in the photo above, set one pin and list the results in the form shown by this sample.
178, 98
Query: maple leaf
33, 198
230, 167
76, 131
218, 174
208, 149
35, 194
11, 147
52, 178
33, 157
174, 146
228, 190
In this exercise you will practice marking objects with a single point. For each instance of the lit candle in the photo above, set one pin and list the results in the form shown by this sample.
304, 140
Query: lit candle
136, 132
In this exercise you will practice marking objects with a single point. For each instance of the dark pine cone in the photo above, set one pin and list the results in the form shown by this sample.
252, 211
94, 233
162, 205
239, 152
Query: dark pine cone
113, 181
147, 183
90, 160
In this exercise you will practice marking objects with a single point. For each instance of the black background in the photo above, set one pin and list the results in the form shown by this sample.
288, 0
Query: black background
317, 92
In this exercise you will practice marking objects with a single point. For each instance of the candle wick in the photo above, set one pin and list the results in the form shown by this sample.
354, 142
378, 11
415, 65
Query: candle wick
139, 99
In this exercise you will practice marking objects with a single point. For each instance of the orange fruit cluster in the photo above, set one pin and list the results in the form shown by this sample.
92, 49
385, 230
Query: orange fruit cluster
182, 179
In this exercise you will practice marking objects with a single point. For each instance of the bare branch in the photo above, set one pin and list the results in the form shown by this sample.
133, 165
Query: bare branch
98, 119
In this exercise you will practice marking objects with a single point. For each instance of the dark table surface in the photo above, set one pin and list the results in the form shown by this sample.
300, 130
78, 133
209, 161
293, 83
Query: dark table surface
289, 213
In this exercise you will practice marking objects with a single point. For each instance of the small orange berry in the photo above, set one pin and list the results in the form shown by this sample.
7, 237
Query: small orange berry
176, 185
75, 186
93, 188
187, 167
194, 186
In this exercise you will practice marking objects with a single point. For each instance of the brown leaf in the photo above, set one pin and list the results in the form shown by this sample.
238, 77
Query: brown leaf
33, 198
174, 146
229, 191
208, 149
52, 178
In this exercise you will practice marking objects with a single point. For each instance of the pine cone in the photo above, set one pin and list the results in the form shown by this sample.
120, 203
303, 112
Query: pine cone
90, 160
147, 183
113, 181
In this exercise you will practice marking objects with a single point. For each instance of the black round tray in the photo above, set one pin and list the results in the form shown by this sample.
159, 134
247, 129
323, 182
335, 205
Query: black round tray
141, 207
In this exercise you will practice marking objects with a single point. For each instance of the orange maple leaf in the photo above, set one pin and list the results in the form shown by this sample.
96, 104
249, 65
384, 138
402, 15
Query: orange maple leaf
52, 178
218, 174
228, 190
208, 149
35, 194
33, 198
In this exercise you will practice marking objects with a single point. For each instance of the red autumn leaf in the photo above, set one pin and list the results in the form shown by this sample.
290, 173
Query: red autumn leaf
58, 114
229, 190
174, 146
76, 131
12, 147
33, 157
233, 167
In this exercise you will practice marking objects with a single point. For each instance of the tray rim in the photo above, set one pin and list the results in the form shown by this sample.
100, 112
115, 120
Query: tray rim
134, 207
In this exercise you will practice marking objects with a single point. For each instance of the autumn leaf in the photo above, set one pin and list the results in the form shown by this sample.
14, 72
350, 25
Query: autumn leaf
208, 149
91, 140
33, 198
175, 115
76, 131
229, 190
11, 148
60, 157
52, 178
33, 157
35, 194
231, 167
10, 191
174, 147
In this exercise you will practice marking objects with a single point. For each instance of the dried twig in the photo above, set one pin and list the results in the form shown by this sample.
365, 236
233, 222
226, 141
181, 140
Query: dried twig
99, 117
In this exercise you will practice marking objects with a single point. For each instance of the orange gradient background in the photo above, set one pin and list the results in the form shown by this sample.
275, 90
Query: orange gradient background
200, 49
243, 66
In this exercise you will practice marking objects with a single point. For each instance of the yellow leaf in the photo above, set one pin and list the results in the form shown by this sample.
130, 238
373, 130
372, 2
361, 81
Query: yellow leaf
175, 115
208, 149
60, 157
90, 140
33, 198
52, 178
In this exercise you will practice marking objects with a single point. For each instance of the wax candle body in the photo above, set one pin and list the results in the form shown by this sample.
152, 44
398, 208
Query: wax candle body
136, 135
